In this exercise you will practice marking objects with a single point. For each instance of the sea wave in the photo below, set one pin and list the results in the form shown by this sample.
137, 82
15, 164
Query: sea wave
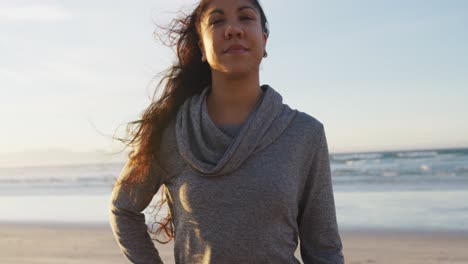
416, 154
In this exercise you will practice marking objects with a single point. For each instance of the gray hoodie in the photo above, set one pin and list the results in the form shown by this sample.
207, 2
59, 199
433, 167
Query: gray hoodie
242, 197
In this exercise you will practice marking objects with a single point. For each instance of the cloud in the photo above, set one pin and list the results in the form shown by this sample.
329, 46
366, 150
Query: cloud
36, 13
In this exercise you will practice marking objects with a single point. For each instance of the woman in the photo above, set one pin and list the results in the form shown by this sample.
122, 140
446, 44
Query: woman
244, 174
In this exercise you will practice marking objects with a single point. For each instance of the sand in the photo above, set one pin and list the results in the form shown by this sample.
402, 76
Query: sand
58, 243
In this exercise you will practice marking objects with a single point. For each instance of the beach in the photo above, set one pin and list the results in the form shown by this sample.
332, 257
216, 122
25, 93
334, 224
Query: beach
391, 207
80, 243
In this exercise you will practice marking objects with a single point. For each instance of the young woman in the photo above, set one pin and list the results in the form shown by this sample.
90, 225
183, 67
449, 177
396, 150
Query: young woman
245, 176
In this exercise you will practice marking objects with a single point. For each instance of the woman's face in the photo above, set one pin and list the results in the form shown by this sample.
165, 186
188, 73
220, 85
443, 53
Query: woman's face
232, 38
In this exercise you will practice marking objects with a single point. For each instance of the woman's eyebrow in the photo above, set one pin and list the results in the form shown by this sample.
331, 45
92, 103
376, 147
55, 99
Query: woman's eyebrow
220, 11
246, 7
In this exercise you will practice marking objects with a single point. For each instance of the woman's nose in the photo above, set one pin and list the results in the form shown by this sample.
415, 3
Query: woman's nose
233, 29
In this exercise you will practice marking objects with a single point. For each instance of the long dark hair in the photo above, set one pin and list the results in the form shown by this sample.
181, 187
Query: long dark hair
187, 77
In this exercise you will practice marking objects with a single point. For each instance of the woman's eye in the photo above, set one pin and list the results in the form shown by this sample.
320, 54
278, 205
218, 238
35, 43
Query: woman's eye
246, 18
214, 22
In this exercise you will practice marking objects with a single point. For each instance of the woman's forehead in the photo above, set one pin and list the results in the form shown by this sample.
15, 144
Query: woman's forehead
222, 6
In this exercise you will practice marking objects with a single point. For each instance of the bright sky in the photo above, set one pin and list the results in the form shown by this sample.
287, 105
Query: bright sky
380, 75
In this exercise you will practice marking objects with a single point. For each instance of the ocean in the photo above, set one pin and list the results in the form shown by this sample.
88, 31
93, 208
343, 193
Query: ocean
404, 190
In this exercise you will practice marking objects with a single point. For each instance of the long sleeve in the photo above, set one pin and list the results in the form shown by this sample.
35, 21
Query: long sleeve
320, 241
128, 221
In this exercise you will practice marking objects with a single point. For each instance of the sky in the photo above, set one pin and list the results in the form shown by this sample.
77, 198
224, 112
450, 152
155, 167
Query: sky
380, 75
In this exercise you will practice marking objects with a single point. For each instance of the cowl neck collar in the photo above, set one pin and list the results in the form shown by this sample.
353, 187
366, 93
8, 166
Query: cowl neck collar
212, 152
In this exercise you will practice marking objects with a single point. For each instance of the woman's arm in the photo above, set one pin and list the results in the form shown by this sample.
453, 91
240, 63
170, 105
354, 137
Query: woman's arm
320, 241
128, 221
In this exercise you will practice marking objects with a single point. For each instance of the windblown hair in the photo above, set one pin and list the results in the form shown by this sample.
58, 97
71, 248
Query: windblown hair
187, 77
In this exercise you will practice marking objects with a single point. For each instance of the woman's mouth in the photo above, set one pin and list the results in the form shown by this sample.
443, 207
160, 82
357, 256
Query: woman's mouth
236, 49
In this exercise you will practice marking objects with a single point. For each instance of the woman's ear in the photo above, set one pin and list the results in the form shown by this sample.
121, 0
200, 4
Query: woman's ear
200, 46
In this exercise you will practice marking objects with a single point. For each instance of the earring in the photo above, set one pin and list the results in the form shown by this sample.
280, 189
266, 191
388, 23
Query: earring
203, 58
265, 54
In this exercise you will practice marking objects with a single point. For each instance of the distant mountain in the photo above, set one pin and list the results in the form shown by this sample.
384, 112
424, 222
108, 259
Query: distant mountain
43, 157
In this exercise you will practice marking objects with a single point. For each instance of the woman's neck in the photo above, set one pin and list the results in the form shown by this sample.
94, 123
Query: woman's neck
231, 100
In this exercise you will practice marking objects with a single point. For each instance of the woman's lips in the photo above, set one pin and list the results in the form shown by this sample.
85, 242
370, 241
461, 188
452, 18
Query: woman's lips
236, 49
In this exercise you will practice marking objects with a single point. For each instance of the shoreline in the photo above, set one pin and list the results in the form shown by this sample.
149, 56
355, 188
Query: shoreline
30, 242
346, 230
